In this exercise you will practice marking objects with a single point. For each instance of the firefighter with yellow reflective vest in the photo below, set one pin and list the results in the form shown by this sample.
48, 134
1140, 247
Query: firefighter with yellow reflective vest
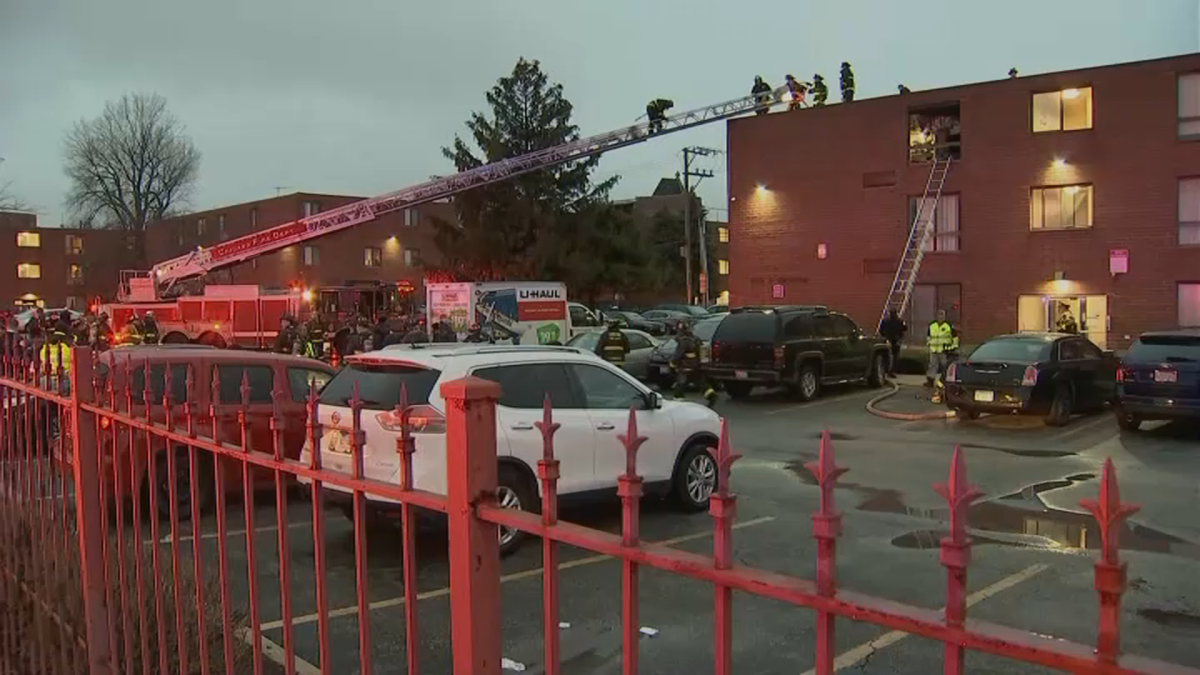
939, 339
55, 353
303, 344
613, 345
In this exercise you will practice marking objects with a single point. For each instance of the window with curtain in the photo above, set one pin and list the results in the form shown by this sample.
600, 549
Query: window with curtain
1066, 110
1066, 207
1189, 211
1189, 106
1189, 305
945, 225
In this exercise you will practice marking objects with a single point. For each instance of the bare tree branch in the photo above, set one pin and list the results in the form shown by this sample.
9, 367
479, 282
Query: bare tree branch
131, 166
9, 201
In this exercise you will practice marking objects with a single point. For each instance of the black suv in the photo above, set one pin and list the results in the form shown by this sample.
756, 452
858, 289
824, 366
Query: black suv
800, 346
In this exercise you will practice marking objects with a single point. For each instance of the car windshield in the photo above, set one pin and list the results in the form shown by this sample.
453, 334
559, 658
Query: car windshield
379, 385
697, 311
705, 329
1014, 350
1165, 349
585, 341
748, 327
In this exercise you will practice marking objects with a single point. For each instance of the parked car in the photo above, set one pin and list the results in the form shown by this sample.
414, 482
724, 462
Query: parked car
264, 372
592, 399
641, 346
691, 310
636, 321
718, 309
669, 317
803, 347
1050, 374
660, 360
1159, 378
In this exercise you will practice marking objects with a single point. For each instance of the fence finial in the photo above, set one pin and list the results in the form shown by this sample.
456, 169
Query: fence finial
725, 459
547, 426
959, 494
1109, 572
632, 442
1109, 513
826, 471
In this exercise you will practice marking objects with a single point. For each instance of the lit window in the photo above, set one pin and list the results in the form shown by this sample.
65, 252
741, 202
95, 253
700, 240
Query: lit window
74, 244
312, 256
1066, 110
723, 267
411, 217
945, 226
723, 235
372, 256
29, 240
1189, 211
412, 257
310, 208
1060, 208
29, 271
201, 226
74, 274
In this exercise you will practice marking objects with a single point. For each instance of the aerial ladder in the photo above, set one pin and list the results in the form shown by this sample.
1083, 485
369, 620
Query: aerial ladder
919, 236
163, 276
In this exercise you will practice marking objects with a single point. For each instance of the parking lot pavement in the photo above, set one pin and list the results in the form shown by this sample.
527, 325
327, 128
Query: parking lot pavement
1032, 562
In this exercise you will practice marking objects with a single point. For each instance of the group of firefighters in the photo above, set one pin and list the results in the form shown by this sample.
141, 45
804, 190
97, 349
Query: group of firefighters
50, 338
941, 338
316, 339
613, 346
797, 96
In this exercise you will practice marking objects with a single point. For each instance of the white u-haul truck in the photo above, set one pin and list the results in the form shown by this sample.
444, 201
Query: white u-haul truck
510, 312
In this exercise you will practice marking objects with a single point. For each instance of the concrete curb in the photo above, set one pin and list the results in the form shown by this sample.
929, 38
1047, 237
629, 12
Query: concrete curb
904, 417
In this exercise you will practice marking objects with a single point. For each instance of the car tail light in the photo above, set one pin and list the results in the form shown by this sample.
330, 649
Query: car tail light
1125, 374
422, 419
779, 351
1030, 377
105, 422
952, 373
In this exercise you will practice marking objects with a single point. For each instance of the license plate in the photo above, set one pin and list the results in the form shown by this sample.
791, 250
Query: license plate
741, 374
985, 396
1168, 376
337, 442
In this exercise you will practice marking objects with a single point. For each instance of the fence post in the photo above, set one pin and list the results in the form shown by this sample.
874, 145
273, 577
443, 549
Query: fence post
474, 543
86, 463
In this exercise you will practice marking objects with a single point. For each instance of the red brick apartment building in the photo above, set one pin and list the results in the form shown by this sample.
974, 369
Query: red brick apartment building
393, 248
1076, 190
57, 267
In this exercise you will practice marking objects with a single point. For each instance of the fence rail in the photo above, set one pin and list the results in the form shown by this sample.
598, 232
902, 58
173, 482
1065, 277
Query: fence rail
92, 473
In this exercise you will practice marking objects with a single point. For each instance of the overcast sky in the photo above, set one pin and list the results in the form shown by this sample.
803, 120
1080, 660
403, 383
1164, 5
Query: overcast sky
358, 96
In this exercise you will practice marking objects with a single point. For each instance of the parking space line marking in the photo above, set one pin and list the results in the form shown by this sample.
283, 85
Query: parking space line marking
818, 402
1092, 424
862, 651
273, 651
231, 533
515, 576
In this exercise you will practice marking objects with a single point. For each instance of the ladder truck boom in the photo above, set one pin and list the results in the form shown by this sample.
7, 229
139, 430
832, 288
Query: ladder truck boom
205, 260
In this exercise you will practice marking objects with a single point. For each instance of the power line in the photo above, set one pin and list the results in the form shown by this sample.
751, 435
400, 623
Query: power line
690, 154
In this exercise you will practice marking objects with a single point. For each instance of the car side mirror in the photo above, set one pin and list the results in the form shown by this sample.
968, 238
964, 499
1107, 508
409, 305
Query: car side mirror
654, 400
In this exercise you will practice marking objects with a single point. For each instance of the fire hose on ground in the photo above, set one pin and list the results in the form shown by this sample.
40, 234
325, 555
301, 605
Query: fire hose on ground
872, 407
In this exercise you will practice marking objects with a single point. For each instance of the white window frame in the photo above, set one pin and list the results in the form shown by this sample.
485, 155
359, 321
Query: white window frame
221, 226
1056, 99
1188, 107
254, 217
310, 255
1037, 207
722, 234
412, 217
412, 257
310, 208
74, 239
1189, 210
1188, 304
947, 230
372, 256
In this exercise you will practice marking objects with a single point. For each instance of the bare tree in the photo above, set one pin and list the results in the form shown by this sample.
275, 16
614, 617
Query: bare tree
9, 201
130, 166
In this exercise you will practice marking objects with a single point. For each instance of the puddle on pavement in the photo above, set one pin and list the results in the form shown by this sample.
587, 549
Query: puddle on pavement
1037, 454
836, 436
1171, 618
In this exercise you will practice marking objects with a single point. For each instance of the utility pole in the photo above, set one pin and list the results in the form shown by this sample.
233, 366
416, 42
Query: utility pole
690, 154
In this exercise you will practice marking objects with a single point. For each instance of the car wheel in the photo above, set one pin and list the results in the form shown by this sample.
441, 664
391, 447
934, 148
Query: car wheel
738, 390
695, 478
513, 492
205, 487
878, 374
1060, 406
966, 414
1128, 421
808, 382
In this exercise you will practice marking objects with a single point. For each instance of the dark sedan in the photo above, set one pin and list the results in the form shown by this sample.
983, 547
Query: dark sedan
636, 321
1159, 378
1050, 374
660, 371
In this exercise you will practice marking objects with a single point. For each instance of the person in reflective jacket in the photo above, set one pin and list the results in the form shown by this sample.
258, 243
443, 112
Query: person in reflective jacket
613, 345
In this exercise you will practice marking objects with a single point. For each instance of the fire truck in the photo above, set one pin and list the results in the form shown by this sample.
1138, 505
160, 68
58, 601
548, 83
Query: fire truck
249, 316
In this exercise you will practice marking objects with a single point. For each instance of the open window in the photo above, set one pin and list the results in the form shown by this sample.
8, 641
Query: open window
934, 131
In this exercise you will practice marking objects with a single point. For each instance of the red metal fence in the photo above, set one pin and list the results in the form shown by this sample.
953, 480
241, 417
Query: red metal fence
87, 584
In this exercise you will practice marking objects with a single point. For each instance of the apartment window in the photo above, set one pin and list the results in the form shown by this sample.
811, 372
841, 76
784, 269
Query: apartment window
74, 244
312, 256
221, 226
201, 226
1189, 211
945, 225
1189, 106
29, 240
723, 267
372, 256
29, 271
1066, 110
310, 208
723, 235
74, 274
1067, 207
411, 217
1189, 305
254, 218
412, 257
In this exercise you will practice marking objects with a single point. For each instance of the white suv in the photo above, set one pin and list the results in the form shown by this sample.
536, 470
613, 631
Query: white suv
591, 400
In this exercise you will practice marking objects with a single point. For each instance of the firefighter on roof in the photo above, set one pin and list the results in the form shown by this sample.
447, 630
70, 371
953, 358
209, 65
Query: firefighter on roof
820, 90
797, 90
762, 92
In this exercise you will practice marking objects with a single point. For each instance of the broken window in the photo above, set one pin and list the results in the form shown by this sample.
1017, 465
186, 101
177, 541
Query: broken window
934, 132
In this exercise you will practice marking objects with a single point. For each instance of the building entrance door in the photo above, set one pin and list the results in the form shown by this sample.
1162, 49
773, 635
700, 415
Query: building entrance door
1042, 313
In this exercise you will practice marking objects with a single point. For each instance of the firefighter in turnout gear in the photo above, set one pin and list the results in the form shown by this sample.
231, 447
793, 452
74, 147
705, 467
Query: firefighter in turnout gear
286, 339
613, 345
686, 363
303, 345
149, 329
55, 353
762, 92
656, 112
820, 90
